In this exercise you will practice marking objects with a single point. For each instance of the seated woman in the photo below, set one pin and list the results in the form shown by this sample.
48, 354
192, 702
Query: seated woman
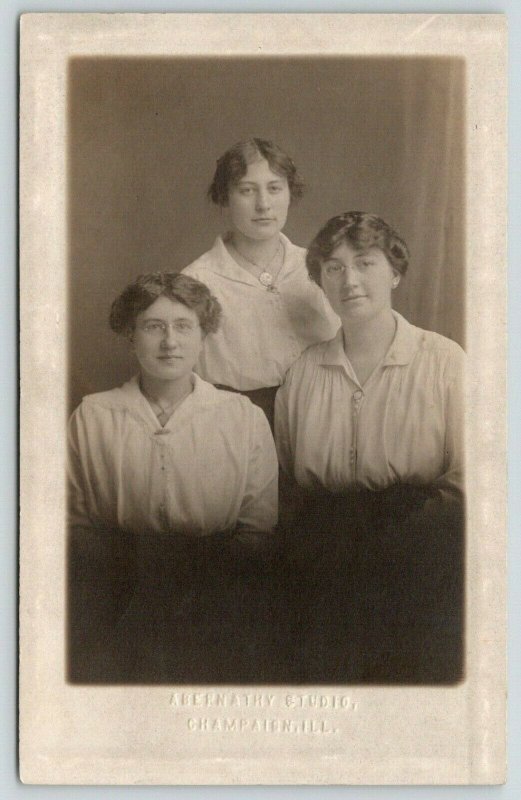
271, 310
370, 426
182, 473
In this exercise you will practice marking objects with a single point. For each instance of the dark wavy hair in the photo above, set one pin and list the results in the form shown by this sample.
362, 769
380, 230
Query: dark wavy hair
362, 231
146, 289
233, 165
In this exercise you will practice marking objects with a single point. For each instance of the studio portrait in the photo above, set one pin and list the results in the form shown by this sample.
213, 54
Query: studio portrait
266, 370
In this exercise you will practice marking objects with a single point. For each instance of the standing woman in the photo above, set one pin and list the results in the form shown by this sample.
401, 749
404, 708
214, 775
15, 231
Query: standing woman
272, 311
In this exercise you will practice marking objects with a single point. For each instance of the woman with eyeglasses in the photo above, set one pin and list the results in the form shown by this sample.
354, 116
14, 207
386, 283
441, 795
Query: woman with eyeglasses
271, 310
180, 473
370, 427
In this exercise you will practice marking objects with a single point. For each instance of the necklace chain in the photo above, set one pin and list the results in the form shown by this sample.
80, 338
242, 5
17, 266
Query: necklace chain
164, 411
265, 277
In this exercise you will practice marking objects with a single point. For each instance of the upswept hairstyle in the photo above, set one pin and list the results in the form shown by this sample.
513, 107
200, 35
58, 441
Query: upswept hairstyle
362, 231
146, 289
232, 166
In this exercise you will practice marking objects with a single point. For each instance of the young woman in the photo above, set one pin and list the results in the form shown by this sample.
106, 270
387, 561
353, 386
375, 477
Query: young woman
180, 475
370, 426
379, 404
271, 310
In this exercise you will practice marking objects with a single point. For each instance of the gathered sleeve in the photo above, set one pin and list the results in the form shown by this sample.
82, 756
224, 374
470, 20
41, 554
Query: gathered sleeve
78, 516
88, 441
91, 544
259, 507
451, 482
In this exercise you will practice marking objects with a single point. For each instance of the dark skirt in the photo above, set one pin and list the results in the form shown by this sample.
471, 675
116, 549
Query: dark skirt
367, 587
375, 584
183, 610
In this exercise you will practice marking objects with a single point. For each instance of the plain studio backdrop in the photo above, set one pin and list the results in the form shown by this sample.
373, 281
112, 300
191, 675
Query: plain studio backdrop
384, 135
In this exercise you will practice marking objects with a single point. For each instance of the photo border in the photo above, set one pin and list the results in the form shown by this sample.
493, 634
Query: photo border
47, 41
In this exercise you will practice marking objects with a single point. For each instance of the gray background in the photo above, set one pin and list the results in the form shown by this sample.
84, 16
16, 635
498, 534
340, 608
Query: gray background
9, 12
373, 134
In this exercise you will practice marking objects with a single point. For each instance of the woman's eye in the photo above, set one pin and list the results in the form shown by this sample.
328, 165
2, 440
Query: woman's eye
275, 189
245, 191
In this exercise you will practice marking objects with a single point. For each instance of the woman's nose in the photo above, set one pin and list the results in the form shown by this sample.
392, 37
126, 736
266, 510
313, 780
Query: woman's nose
350, 276
263, 199
169, 337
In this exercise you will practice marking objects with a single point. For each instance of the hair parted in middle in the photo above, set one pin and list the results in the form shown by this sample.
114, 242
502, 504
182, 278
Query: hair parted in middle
362, 231
233, 165
146, 289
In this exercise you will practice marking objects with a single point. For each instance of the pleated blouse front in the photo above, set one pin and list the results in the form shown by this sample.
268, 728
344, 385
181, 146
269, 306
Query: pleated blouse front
213, 467
404, 425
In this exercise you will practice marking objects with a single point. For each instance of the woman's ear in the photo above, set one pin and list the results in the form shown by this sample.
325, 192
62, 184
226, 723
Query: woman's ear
396, 280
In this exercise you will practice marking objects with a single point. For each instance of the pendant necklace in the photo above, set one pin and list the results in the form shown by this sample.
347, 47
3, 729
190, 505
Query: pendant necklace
265, 278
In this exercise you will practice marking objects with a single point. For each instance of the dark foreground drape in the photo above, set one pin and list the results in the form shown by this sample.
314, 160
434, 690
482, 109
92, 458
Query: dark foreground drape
382, 588
363, 588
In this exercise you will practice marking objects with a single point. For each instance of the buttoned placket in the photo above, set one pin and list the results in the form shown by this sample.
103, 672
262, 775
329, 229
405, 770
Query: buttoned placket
160, 441
357, 399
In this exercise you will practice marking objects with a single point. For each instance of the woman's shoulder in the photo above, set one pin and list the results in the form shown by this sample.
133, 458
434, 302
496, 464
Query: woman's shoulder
429, 347
112, 399
205, 263
410, 338
293, 249
311, 357
439, 344
294, 258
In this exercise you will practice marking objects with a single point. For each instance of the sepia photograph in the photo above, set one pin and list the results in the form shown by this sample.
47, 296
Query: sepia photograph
268, 365
266, 274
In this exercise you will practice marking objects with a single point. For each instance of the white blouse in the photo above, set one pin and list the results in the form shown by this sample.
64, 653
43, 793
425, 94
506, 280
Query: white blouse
262, 332
211, 468
404, 425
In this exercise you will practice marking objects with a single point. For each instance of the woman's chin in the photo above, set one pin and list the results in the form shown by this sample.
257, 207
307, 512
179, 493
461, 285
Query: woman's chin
261, 233
168, 373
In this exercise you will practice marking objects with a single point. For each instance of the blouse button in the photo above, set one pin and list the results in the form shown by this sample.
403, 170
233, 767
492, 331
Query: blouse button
358, 395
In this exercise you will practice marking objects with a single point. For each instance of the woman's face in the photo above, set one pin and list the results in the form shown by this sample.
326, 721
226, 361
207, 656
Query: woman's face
167, 340
258, 204
358, 283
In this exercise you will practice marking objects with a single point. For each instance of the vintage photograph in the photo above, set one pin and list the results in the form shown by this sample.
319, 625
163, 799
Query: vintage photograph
266, 424
267, 313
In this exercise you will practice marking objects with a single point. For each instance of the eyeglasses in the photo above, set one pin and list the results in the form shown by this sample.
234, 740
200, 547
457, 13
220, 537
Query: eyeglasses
334, 269
159, 329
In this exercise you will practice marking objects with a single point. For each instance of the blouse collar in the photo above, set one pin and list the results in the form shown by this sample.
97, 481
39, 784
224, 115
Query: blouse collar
224, 264
401, 351
203, 395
